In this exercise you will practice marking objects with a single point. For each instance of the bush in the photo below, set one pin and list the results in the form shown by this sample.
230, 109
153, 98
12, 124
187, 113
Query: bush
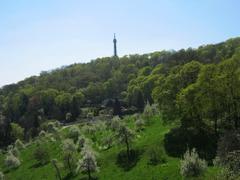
41, 154
19, 144
1, 176
12, 162
192, 165
156, 155
74, 133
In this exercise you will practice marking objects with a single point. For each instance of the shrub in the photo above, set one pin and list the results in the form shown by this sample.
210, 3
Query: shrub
41, 154
156, 155
74, 133
1, 176
192, 165
19, 144
12, 162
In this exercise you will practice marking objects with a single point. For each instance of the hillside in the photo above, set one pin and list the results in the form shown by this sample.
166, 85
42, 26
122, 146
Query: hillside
180, 108
146, 140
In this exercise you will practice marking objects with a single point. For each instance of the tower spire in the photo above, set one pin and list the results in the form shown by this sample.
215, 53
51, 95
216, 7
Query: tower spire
115, 45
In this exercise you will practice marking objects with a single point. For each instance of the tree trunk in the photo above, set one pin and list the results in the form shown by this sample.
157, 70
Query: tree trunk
128, 150
89, 174
58, 172
69, 163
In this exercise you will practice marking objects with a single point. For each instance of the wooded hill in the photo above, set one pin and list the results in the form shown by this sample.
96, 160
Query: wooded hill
199, 87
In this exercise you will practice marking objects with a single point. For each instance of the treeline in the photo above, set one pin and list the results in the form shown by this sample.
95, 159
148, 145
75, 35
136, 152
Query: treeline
197, 86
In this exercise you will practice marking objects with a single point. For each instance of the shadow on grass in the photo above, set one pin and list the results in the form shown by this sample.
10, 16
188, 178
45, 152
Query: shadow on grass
125, 163
71, 176
37, 165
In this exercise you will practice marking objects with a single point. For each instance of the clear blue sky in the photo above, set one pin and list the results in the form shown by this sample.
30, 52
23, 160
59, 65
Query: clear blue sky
38, 35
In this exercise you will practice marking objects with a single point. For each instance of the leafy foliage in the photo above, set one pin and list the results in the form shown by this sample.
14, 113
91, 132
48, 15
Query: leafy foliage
192, 165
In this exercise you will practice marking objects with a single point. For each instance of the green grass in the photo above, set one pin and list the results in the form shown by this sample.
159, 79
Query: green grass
152, 135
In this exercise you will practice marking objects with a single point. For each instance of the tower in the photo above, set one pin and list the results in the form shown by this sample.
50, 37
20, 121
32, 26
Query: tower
115, 46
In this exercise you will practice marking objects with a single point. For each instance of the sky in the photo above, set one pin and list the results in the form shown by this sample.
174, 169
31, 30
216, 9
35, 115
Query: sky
41, 35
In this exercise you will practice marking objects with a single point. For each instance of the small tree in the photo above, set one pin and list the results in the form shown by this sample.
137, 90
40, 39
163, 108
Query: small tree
55, 165
11, 161
19, 144
69, 149
87, 164
74, 133
41, 154
192, 165
125, 136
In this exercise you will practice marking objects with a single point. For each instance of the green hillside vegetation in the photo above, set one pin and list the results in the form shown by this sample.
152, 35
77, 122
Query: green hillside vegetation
106, 118
147, 140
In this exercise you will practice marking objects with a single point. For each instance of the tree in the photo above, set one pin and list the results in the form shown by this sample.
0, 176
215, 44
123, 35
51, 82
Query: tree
125, 136
192, 165
69, 150
87, 164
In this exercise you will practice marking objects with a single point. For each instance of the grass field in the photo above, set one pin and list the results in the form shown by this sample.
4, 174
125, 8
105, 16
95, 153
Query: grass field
109, 169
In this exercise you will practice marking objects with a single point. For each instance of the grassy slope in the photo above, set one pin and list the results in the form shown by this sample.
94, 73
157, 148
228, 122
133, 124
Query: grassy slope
152, 135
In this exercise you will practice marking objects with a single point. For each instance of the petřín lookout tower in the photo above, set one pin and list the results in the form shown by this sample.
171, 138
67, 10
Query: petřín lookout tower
115, 46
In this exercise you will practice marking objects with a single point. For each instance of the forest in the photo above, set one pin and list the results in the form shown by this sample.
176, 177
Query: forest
192, 95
